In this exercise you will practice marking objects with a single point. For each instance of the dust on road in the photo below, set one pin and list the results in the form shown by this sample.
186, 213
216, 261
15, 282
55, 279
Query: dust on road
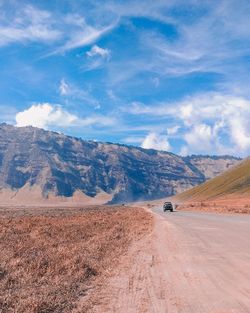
192, 263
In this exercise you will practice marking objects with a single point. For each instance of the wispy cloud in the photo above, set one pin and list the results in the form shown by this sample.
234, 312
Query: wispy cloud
80, 33
64, 88
207, 44
156, 10
72, 91
28, 25
68, 31
160, 110
210, 43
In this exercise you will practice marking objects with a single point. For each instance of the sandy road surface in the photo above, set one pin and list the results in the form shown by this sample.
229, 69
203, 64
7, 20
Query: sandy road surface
192, 262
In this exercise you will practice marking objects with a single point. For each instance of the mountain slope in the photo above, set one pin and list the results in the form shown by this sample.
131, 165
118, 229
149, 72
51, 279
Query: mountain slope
234, 182
56, 165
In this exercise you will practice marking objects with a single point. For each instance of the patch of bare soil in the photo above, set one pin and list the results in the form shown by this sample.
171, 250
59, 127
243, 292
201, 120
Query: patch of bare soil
140, 283
55, 260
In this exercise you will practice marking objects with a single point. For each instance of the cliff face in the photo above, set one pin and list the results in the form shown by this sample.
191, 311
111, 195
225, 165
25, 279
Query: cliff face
211, 166
61, 165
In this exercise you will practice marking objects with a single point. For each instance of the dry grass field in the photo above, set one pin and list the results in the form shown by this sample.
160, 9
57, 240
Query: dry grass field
53, 259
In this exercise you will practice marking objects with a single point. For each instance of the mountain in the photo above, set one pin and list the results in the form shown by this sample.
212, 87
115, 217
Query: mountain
233, 183
36, 164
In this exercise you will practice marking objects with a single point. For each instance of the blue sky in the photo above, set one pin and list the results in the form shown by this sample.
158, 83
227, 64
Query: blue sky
171, 75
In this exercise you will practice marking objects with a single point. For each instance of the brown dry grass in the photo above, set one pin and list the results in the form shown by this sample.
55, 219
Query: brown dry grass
52, 260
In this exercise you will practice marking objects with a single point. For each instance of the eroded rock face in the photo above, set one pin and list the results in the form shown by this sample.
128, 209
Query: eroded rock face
61, 165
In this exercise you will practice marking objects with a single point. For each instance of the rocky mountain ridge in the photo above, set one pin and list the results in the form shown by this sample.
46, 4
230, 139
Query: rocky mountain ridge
61, 165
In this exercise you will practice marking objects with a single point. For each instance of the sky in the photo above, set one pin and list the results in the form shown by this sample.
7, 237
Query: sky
171, 75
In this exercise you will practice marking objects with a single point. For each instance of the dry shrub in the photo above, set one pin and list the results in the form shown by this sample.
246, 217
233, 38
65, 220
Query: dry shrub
215, 207
50, 261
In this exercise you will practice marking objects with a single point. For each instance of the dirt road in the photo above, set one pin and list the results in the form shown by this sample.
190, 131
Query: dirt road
192, 262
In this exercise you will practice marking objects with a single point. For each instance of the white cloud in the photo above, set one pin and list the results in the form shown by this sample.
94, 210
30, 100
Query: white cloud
46, 115
240, 131
173, 130
30, 24
211, 123
98, 51
69, 31
216, 122
83, 38
81, 34
200, 138
156, 141
96, 58
64, 88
